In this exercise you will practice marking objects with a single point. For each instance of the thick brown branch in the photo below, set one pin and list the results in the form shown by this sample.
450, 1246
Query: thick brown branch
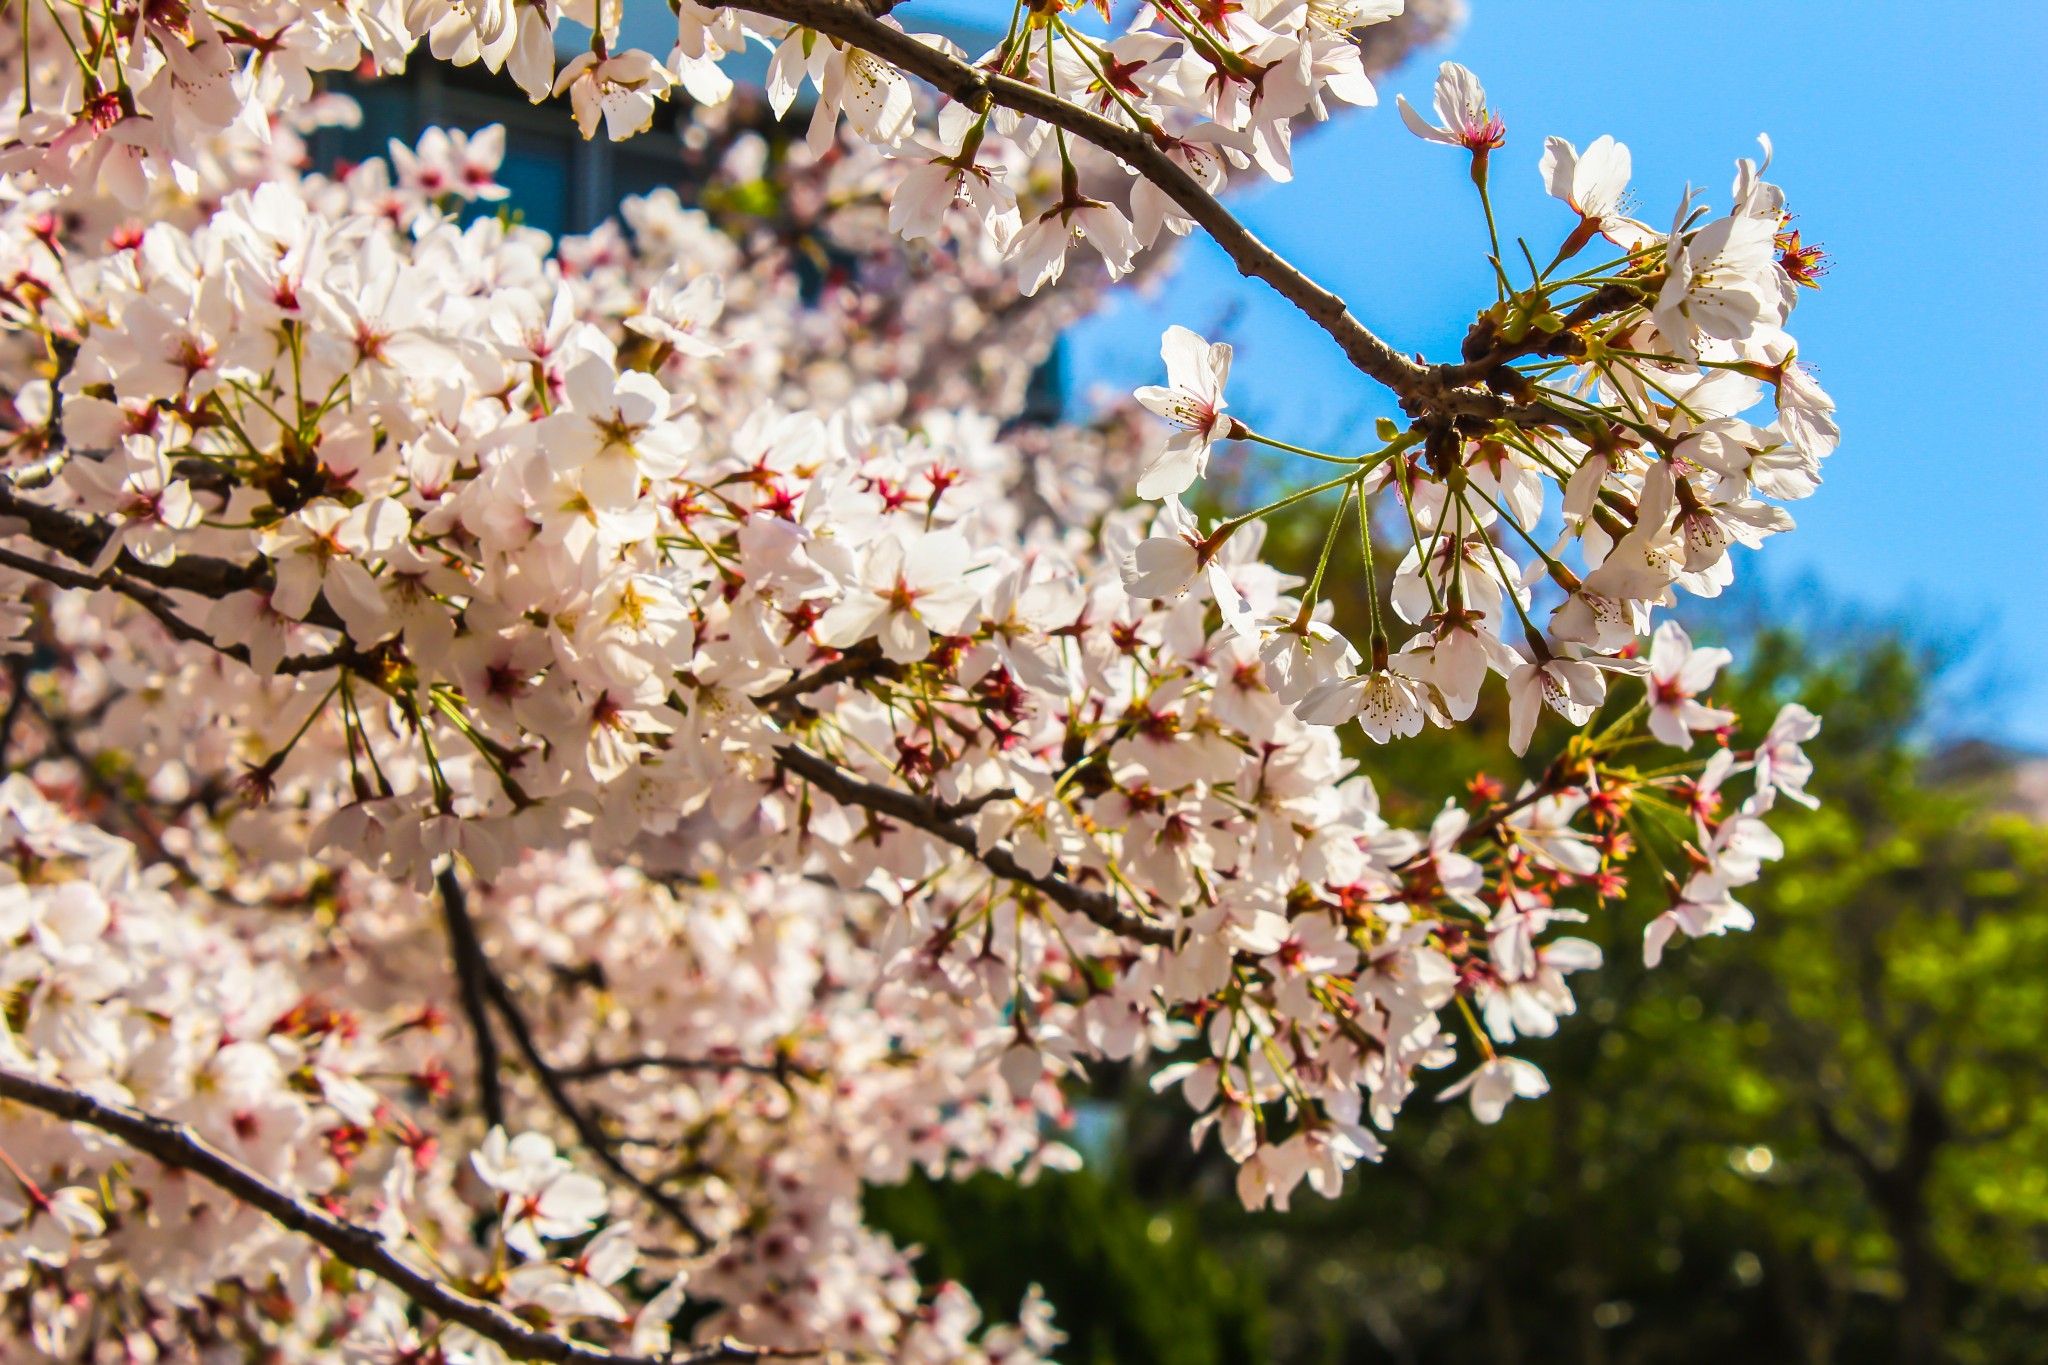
1421, 387
81, 541
175, 1145
923, 813
161, 607
862, 662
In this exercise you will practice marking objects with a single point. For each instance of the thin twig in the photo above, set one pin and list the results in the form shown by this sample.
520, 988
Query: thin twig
471, 967
589, 1131
925, 814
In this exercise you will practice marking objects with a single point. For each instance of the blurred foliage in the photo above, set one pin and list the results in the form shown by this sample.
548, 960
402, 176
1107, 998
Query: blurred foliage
1824, 1141
1127, 1282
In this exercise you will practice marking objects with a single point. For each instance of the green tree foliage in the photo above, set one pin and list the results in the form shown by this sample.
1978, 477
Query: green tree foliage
1127, 1279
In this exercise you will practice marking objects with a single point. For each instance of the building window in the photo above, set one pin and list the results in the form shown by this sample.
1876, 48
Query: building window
559, 182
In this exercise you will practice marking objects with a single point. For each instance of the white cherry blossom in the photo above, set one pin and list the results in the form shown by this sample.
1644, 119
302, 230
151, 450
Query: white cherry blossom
1192, 400
1679, 673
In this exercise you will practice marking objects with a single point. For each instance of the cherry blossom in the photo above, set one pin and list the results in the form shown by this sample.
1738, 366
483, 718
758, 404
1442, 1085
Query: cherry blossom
1192, 400
1494, 1085
680, 311
1464, 118
1040, 249
906, 592
44, 1228
620, 90
1680, 672
500, 714
1595, 184
1780, 763
541, 1195
1705, 907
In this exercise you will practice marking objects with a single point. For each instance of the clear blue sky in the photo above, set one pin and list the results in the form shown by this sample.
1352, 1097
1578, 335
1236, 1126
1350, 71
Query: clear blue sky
1910, 138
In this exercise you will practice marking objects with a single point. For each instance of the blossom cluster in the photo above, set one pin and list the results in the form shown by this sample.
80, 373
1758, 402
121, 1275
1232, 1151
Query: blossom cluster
616, 757
1632, 451
127, 109
747, 1021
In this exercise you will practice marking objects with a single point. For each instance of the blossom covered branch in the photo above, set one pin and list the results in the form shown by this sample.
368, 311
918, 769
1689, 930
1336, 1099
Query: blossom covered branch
178, 1147
1147, 149
833, 763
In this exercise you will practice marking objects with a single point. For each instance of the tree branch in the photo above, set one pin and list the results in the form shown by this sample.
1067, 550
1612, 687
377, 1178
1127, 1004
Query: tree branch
925, 814
17, 704
81, 541
471, 969
176, 1145
1421, 387
161, 607
858, 664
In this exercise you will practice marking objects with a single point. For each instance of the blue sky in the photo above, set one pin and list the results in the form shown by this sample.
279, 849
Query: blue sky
1910, 138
